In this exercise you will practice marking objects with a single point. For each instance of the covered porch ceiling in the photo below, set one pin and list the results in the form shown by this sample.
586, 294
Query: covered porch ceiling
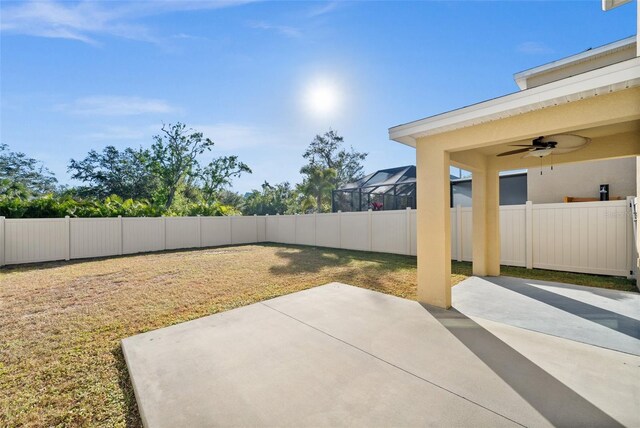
611, 141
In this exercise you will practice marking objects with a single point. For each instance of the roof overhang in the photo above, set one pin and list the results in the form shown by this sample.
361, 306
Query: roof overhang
521, 77
610, 4
611, 78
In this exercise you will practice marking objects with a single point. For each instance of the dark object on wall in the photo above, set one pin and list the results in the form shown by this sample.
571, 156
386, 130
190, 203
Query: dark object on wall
604, 192
513, 190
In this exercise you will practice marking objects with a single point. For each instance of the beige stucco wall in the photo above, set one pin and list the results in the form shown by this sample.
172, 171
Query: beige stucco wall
581, 180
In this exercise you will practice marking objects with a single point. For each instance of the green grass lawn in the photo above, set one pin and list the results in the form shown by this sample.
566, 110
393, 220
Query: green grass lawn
61, 323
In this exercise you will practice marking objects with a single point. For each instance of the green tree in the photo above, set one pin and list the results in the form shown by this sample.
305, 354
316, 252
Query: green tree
174, 158
112, 172
231, 199
13, 189
326, 151
218, 175
318, 182
174, 161
24, 176
270, 199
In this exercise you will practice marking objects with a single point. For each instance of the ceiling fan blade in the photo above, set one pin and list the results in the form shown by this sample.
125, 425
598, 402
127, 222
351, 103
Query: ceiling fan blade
514, 152
520, 145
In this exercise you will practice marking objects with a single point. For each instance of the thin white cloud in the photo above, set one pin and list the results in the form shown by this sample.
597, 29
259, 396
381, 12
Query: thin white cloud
85, 21
116, 106
233, 136
281, 29
533, 48
329, 6
121, 133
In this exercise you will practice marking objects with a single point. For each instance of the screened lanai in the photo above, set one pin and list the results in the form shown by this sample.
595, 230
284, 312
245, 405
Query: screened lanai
387, 189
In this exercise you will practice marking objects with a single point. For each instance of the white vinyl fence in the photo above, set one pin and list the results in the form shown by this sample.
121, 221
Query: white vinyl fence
590, 237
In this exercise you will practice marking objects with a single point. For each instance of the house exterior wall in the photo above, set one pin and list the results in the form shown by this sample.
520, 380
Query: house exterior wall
582, 180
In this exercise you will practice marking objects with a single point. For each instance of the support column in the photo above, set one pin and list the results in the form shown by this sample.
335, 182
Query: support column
485, 195
433, 225
637, 208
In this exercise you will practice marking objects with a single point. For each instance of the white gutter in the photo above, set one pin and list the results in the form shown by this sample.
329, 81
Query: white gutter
522, 76
607, 79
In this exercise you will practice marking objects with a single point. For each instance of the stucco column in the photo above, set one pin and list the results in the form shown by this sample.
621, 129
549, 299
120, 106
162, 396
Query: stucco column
485, 195
637, 237
433, 225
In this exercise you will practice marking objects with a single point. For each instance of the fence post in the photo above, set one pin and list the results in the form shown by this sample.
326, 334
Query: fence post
408, 221
200, 230
120, 228
315, 228
340, 227
459, 240
231, 229
278, 227
528, 236
370, 232
67, 234
633, 251
2, 241
255, 216
266, 228
164, 232
295, 228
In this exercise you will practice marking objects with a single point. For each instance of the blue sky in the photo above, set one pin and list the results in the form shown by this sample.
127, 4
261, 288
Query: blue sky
77, 76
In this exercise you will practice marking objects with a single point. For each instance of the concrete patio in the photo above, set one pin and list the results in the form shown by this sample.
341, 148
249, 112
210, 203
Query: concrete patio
511, 352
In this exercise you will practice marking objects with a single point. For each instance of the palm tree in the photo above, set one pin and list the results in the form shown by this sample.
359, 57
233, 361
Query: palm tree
318, 182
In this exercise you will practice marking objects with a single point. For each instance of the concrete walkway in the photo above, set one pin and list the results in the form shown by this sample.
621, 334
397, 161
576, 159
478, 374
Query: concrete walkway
338, 355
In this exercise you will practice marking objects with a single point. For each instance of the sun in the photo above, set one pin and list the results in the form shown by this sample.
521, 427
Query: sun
322, 97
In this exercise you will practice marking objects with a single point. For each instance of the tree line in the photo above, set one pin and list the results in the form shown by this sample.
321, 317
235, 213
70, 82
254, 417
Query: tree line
168, 178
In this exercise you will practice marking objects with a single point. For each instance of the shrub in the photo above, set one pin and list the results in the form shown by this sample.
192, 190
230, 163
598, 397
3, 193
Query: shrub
50, 206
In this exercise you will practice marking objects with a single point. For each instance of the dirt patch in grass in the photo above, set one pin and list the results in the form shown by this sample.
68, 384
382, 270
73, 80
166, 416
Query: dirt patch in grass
61, 323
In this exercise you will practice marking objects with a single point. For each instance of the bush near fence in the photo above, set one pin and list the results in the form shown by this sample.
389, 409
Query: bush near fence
590, 237
52, 206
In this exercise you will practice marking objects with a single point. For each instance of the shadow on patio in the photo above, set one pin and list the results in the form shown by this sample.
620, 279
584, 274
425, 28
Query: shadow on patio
558, 403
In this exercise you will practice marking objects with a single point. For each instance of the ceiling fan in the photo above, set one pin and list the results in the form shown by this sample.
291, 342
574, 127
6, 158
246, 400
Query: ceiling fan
544, 146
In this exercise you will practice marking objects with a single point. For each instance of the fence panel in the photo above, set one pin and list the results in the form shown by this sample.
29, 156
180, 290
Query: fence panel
215, 231
354, 231
2, 241
36, 240
262, 228
328, 230
466, 228
454, 234
389, 232
142, 234
590, 237
244, 230
182, 232
305, 229
286, 229
513, 244
271, 226
95, 237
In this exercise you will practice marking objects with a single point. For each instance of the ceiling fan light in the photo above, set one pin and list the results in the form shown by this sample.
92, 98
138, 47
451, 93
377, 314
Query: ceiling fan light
539, 153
